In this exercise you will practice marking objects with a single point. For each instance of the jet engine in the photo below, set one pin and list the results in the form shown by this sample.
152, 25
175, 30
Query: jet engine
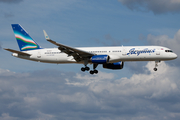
100, 59
114, 66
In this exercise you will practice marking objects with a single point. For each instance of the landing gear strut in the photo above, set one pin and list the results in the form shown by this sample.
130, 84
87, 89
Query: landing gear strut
156, 65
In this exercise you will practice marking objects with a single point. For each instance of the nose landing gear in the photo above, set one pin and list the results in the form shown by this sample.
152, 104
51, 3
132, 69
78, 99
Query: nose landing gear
155, 69
156, 65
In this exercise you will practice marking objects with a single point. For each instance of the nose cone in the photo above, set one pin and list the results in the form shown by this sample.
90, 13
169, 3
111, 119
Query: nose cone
174, 56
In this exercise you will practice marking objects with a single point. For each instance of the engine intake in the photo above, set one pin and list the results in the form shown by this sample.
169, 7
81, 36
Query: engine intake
100, 59
114, 66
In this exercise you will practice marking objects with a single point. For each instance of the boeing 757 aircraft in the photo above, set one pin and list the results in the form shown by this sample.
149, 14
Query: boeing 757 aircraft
109, 57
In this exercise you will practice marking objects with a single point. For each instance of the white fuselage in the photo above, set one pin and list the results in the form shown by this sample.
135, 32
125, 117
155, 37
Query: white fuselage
116, 54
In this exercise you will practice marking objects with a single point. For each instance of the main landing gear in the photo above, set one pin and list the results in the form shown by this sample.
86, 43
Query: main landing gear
94, 71
156, 65
85, 69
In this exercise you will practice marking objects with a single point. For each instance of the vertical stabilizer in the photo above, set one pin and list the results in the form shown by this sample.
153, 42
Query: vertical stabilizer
24, 41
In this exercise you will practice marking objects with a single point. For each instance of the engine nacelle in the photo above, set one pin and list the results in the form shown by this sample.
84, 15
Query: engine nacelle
100, 59
114, 66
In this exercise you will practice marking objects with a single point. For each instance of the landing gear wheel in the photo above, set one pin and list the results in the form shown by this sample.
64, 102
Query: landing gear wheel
83, 69
95, 71
155, 69
87, 68
91, 72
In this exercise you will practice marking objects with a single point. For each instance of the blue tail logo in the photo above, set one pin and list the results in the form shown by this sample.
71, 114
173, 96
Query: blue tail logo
24, 41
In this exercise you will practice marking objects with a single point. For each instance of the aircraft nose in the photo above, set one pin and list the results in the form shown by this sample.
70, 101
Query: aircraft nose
174, 56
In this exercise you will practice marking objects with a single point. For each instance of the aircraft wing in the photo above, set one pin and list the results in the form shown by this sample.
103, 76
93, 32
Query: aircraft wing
18, 52
76, 53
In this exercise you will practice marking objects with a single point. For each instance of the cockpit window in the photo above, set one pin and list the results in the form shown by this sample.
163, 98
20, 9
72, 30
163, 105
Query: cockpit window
168, 51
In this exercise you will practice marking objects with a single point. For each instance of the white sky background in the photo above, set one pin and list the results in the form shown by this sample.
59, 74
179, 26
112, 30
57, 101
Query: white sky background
30, 90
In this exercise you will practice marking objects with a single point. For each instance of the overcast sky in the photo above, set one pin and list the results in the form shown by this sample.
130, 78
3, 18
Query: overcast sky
31, 90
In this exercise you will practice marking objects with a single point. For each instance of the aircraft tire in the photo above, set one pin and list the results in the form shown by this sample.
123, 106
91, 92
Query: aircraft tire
87, 68
83, 69
96, 71
155, 69
91, 72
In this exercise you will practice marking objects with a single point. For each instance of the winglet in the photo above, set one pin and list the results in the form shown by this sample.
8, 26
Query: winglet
46, 36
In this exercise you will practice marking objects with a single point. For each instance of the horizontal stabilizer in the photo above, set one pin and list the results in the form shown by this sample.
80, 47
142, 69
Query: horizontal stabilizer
18, 52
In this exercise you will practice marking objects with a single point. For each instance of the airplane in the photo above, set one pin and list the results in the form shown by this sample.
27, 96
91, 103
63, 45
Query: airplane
109, 57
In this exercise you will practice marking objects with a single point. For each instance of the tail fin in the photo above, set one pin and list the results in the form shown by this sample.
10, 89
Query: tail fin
24, 41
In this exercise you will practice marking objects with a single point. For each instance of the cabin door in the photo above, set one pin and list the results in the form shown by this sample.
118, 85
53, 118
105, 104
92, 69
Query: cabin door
39, 54
124, 52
